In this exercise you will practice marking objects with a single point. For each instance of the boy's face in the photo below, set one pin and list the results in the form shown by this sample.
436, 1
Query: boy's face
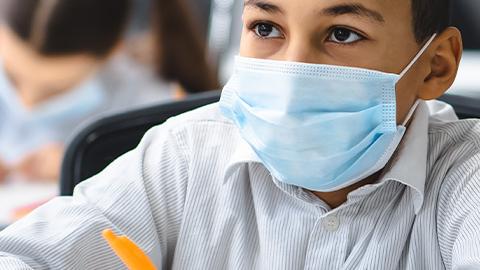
372, 34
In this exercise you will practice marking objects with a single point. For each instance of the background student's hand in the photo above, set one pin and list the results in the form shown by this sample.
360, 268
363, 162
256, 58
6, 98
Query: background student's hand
43, 164
3, 171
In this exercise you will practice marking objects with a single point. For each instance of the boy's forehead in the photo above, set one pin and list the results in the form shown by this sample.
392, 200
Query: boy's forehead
381, 6
389, 13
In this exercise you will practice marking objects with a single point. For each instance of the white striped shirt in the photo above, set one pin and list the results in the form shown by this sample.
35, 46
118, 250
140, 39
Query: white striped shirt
193, 197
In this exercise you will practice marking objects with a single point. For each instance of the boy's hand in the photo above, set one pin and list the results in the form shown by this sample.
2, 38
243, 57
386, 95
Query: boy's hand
43, 164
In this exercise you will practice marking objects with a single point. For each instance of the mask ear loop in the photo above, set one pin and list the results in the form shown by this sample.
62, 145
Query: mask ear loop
410, 113
419, 54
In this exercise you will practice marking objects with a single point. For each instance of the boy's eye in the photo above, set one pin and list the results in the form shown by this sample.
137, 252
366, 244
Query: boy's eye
266, 30
344, 36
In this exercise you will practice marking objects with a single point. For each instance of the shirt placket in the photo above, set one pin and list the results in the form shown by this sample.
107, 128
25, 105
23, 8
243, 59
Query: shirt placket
328, 244
325, 244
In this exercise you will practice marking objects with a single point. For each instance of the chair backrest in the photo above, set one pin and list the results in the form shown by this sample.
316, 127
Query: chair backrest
104, 140
466, 105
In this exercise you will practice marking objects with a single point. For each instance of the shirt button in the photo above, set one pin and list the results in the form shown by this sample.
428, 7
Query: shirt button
331, 223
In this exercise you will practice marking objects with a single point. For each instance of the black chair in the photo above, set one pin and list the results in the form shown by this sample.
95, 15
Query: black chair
466, 103
104, 140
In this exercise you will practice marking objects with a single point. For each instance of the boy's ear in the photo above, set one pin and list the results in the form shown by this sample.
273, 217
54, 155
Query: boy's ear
444, 55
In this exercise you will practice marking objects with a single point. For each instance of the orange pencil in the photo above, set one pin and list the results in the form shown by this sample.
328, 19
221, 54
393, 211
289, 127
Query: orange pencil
130, 254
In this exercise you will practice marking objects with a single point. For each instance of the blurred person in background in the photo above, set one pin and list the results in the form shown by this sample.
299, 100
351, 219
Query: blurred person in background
173, 46
181, 52
59, 66
62, 62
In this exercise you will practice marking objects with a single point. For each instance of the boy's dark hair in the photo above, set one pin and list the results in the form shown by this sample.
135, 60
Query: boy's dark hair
429, 17
59, 27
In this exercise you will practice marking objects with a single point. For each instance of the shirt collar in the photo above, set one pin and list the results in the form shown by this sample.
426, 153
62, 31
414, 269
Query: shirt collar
243, 154
407, 165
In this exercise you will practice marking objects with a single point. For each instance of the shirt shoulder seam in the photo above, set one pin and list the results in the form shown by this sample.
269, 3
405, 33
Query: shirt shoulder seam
445, 131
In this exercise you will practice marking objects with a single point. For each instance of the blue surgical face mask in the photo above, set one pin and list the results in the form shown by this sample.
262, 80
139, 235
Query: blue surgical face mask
319, 127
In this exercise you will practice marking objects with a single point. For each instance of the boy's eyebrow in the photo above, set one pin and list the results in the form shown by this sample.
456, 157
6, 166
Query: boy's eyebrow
337, 10
355, 9
263, 5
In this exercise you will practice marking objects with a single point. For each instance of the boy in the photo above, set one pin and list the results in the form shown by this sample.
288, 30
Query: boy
197, 194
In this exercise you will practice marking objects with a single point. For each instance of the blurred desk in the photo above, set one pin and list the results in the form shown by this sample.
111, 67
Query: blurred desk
18, 194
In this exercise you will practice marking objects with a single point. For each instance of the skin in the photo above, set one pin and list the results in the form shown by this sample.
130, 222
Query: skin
37, 78
383, 40
42, 164
3, 171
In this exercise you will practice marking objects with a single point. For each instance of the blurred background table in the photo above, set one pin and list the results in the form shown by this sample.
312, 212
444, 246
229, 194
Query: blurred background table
18, 196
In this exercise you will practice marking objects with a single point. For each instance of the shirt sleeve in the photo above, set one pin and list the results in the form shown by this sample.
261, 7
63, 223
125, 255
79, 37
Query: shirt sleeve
140, 195
458, 216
